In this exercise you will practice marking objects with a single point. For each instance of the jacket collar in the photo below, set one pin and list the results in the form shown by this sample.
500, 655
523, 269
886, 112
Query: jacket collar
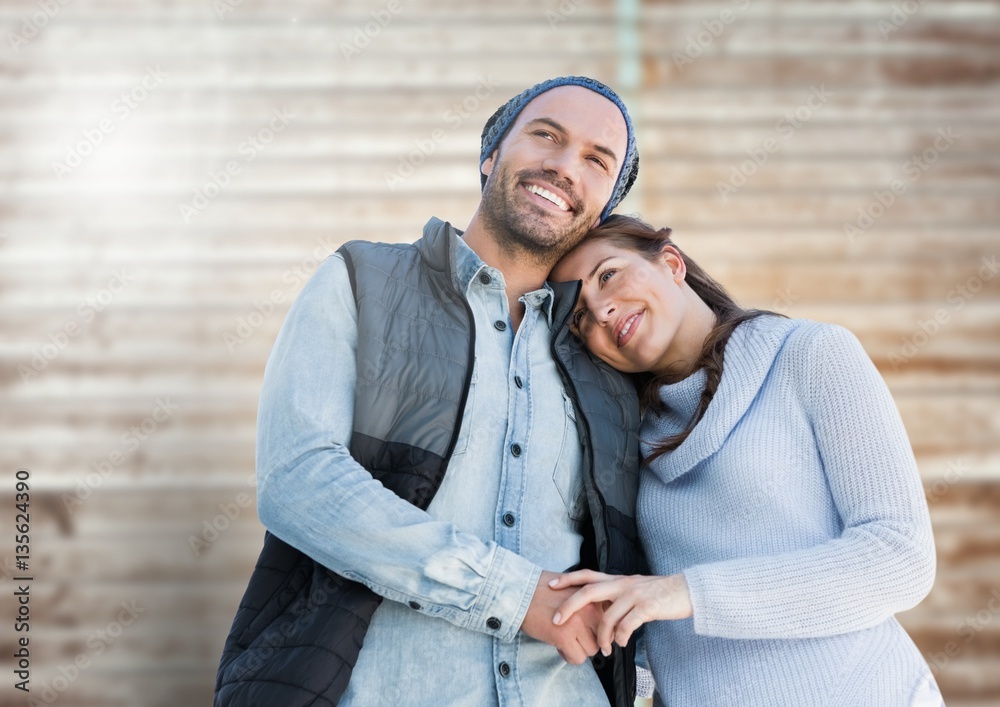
438, 248
564, 296
442, 249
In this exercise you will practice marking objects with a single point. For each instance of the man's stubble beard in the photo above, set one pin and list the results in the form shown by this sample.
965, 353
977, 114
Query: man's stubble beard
516, 226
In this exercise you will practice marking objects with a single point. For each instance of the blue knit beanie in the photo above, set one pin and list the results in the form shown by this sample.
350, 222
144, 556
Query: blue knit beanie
499, 123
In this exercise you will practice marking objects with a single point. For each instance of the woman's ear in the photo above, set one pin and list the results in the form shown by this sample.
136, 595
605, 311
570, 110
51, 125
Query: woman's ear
673, 260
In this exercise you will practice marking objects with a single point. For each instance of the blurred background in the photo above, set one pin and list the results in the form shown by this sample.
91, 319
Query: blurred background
171, 173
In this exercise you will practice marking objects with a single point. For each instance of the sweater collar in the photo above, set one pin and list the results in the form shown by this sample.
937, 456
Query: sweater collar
749, 356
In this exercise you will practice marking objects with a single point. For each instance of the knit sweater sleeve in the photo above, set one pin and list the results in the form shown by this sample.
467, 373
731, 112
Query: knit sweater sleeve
882, 563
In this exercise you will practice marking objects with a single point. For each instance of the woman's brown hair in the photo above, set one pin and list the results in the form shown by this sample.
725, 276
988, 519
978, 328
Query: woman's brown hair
633, 234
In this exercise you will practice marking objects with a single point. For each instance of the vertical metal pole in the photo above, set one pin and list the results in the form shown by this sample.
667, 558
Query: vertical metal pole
629, 84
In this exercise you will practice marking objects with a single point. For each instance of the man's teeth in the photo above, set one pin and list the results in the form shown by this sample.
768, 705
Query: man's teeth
545, 193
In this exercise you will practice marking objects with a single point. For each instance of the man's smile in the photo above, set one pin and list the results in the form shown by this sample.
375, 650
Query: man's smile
549, 195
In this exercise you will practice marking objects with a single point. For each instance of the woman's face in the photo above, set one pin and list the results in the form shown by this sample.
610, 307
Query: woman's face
630, 308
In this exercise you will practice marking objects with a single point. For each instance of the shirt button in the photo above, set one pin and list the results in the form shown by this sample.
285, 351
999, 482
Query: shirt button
500, 325
508, 519
493, 623
504, 669
414, 605
515, 449
485, 278
518, 382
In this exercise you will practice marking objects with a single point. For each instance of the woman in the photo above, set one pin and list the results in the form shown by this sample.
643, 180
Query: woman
780, 506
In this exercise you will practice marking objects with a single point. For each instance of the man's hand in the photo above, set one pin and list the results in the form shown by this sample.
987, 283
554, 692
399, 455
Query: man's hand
575, 638
634, 600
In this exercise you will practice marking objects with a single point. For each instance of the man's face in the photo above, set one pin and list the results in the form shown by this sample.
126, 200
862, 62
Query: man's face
554, 171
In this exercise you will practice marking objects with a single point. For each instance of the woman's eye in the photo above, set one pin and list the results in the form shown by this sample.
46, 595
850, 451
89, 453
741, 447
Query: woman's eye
606, 275
577, 317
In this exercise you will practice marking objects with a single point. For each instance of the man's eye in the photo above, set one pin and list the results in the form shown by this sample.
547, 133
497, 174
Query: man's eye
544, 133
599, 162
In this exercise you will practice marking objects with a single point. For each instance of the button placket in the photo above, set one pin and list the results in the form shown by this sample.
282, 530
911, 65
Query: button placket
511, 503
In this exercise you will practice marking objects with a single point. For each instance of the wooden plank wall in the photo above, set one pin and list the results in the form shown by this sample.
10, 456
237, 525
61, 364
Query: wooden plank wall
139, 300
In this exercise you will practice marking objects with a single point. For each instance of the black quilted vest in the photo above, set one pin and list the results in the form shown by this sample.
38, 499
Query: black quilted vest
300, 627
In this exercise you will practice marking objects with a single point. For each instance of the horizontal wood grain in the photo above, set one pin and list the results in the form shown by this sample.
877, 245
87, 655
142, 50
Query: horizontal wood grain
87, 292
778, 242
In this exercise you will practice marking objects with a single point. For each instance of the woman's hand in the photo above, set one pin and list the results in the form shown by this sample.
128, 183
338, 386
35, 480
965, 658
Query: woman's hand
634, 600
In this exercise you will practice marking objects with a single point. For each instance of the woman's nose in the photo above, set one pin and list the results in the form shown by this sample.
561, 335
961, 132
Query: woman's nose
605, 312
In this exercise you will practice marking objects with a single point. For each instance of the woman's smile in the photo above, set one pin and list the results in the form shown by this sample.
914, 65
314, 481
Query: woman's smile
626, 328
631, 309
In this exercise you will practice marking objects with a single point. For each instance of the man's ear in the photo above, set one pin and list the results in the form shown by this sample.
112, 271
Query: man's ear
487, 167
673, 260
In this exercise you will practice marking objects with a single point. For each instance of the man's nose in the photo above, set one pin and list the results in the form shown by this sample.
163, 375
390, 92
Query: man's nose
564, 164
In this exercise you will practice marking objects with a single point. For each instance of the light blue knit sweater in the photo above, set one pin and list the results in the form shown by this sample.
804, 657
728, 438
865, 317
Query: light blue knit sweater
796, 514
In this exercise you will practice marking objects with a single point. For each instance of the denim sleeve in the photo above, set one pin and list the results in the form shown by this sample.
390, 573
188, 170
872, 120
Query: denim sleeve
313, 495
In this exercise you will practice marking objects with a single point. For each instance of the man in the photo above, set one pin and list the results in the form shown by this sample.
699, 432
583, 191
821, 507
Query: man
385, 580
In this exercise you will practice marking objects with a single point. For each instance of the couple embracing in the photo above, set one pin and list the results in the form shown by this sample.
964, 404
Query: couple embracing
493, 462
